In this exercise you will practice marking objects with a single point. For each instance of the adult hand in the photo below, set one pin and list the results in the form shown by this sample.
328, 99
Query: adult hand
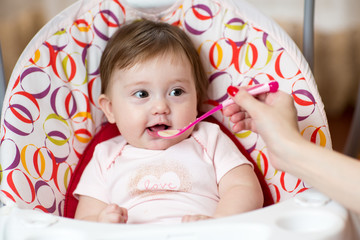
272, 115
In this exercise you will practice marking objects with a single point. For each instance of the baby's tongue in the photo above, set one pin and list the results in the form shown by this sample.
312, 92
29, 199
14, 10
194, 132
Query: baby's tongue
157, 128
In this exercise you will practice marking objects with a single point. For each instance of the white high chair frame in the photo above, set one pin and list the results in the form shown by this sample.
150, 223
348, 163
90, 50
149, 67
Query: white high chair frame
309, 215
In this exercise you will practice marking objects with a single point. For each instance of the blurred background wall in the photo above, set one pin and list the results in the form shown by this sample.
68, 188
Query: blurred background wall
337, 44
20, 20
337, 53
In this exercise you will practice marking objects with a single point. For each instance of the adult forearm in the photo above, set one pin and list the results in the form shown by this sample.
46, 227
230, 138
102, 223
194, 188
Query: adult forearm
332, 173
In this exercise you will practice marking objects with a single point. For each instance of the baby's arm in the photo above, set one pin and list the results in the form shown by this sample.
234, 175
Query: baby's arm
91, 209
239, 192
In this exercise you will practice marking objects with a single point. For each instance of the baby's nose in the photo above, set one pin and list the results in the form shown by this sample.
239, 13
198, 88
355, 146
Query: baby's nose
160, 106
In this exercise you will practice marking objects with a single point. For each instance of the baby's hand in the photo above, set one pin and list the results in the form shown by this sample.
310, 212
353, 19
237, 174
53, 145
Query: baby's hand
113, 214
194, 218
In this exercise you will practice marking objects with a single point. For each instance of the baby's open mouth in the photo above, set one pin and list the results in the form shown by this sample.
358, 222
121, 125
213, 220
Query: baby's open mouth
158, 127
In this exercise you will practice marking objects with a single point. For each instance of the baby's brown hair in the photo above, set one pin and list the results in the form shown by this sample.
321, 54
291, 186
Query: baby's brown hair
142, 40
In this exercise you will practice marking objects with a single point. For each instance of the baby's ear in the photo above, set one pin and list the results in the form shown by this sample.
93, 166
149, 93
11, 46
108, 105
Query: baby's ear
106, 106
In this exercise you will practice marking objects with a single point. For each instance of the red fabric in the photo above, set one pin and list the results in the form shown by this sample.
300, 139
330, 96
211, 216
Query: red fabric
106, 132
109, 131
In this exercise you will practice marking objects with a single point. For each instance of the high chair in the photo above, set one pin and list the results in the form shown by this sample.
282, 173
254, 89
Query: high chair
50, 116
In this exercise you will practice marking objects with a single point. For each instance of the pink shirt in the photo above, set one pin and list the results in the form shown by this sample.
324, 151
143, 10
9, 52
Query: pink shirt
158, 186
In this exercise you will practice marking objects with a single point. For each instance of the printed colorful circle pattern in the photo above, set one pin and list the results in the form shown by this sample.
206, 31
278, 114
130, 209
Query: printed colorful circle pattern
51, 113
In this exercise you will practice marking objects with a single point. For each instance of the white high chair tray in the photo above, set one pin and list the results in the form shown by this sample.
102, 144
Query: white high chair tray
309, 215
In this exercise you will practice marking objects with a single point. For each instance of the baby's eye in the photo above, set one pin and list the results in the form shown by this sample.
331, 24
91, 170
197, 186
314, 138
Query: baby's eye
141, 94
176, 92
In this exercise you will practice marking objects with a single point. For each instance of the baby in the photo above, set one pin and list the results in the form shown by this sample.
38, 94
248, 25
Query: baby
153, 79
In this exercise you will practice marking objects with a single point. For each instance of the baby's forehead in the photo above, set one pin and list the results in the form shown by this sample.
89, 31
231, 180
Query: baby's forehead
179, 63
176, 56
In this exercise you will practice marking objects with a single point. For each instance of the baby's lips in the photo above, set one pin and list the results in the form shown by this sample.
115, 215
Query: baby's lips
157, 128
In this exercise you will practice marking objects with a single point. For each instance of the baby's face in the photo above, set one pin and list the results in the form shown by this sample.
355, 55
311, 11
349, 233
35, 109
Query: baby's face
154, 95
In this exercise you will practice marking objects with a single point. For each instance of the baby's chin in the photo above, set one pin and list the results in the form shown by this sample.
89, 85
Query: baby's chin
163, 144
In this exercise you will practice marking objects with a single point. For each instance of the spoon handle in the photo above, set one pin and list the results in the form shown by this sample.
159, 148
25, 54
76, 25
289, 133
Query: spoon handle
257, 89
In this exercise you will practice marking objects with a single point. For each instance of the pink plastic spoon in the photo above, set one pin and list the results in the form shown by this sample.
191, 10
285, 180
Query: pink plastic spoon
257, 89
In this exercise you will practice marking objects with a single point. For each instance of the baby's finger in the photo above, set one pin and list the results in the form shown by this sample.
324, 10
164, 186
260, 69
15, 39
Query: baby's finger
120, 214
116, 218
112, 208
124, 214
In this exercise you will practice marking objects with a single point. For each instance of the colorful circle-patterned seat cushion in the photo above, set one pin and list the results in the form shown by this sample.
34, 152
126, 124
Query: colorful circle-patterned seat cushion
50, 112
